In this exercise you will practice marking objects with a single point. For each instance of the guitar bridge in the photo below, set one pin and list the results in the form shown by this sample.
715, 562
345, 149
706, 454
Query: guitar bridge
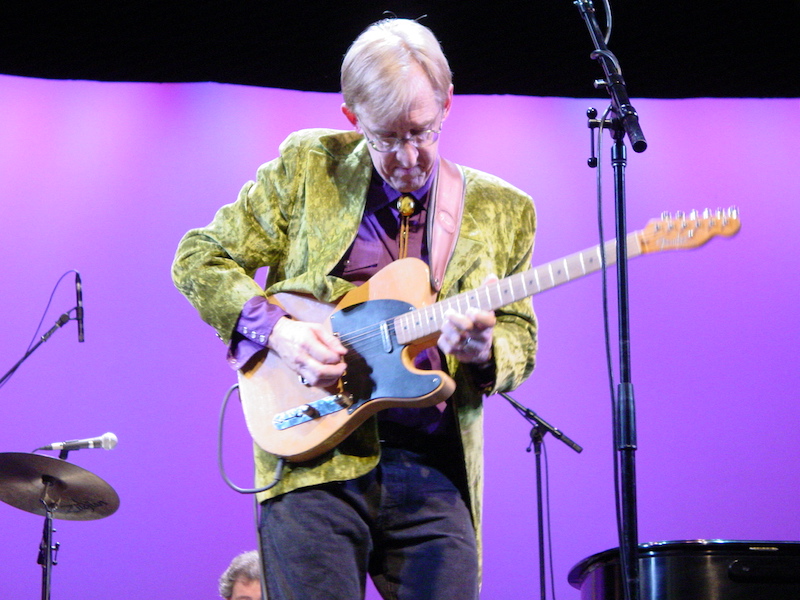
310, 411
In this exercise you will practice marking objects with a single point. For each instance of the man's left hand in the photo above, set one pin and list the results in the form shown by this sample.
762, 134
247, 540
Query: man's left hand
468, 336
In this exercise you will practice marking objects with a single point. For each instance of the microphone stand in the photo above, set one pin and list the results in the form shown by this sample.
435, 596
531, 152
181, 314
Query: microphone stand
62, 320
625, 122
539, 429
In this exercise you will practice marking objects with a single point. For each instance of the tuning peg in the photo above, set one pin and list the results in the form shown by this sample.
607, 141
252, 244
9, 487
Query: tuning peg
722, 216
709, 217
694, 218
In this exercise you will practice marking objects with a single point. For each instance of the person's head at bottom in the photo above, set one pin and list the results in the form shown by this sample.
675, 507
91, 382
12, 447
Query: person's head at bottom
242, 579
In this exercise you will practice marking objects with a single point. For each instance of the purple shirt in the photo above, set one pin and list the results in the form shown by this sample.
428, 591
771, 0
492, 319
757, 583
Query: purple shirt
376, 244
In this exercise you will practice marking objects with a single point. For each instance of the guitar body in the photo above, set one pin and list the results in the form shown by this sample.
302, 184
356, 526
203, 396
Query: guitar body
299, 422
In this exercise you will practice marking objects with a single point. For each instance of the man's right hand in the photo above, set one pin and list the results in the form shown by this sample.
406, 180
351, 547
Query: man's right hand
313, 352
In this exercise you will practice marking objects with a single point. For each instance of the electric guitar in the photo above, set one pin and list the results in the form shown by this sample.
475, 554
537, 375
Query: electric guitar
386, 321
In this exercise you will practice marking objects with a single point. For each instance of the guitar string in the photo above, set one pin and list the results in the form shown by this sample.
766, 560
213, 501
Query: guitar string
409, 319
371, 337
372, 332
370, 340
537, 280
424, 314
420, 317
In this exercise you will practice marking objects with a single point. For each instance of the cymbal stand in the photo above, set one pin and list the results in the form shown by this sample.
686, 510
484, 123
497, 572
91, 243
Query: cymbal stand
538, 431
47, 550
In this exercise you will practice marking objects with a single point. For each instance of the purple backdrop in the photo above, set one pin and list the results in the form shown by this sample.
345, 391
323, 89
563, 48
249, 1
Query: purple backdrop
106, 177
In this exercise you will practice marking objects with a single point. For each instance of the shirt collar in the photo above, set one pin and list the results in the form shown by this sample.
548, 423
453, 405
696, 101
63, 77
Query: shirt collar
381, 193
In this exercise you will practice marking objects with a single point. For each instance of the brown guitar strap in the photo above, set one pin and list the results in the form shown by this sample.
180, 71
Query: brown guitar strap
446, 204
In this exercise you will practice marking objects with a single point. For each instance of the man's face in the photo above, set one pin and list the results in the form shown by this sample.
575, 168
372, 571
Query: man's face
406, 167
246, 590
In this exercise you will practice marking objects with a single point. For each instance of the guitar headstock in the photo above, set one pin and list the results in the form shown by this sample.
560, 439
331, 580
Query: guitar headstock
684, 231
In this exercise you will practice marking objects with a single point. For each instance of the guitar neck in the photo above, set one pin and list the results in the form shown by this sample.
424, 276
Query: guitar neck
427, 321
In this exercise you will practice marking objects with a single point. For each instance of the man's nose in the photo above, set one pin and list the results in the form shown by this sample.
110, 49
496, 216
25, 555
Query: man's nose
406, 153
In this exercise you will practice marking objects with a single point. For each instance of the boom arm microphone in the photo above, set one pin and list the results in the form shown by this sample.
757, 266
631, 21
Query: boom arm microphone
106, 441
79, 310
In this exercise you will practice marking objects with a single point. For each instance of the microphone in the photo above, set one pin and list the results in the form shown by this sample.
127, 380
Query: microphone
106, 441
79, 310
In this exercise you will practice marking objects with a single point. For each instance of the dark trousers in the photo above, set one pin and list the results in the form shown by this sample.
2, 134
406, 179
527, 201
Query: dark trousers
405, 524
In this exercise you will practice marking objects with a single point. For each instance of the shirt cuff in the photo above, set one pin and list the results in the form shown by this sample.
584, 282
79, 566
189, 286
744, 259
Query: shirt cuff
483, 375
252, 331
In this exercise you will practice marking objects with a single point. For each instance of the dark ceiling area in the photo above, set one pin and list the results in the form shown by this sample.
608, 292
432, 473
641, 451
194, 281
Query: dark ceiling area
684, 48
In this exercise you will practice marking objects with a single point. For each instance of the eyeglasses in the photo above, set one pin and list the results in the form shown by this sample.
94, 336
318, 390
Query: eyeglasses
387, 143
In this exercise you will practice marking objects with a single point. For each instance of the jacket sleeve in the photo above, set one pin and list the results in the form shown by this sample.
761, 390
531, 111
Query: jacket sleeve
500, 223
214, 265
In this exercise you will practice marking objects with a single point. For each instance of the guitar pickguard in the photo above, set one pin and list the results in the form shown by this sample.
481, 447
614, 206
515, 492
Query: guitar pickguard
376, 368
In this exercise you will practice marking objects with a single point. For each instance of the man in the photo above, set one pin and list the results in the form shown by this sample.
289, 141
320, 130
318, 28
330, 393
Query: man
242, 579
399, 498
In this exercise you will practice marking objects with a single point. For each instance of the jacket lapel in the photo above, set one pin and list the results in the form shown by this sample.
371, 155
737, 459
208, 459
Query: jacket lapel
338, 175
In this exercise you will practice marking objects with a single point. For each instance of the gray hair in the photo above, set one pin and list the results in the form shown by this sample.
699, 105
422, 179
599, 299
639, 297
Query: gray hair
245, 566
376, 67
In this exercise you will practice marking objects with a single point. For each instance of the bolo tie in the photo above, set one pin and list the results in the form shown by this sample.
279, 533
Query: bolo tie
405, 206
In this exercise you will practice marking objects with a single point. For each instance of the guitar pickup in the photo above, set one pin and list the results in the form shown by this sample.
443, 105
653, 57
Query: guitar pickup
310, 411
386, 338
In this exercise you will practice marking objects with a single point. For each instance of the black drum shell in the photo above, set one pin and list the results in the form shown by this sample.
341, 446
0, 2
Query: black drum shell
697, 570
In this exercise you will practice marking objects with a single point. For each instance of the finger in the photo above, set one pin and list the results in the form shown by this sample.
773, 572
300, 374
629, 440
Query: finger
472, 321
480, 319
318, 374
470, 351
315, 372
331, 340
456, 322
326, 347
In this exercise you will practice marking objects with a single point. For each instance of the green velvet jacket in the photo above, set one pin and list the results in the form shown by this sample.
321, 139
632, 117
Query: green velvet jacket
298, 218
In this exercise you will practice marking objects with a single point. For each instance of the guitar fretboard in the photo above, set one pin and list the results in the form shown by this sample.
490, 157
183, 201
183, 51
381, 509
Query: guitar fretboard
423, 322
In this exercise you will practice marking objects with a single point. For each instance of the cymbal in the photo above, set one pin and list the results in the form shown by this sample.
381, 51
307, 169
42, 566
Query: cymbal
29, 481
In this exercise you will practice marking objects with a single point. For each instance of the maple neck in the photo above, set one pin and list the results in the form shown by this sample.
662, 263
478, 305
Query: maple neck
427, 321
683, 231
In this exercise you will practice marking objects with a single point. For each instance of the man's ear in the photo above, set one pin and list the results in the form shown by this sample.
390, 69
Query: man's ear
351, 116
448, 104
